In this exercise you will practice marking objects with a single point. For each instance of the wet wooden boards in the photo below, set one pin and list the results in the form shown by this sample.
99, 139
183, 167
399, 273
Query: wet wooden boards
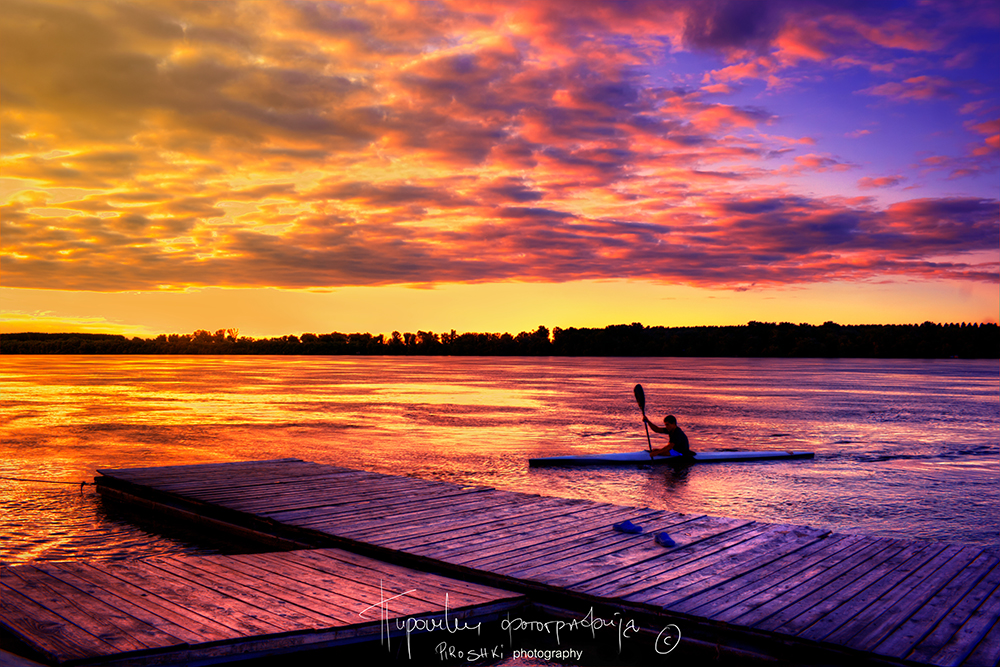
856, 597
212, 608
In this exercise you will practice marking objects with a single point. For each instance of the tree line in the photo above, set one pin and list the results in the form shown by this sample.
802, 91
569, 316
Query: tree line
755, 339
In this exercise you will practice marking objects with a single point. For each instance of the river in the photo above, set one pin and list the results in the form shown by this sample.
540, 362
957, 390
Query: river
904, 448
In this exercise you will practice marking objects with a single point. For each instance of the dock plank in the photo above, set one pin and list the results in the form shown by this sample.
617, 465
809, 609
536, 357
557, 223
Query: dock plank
925, 618
492, 525
103, 576
116, 620
54, 636
837, 590
231, 471
752, 556
748, 584
200, 600
426, 593
362, 591
256, 601
896, 605
810, 586
317, 508
521, 537
115, 594
695, 540
274, 495
850, 603
361, 565
416, 519
617, 554
963, 619
280, 496
541, 546
987, 652
345, 516
211, 608
82, 611
321, 602
575, 546
330, 486
678, 571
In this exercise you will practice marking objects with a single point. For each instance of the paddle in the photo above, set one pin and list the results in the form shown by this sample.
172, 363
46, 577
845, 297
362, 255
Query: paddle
640, 398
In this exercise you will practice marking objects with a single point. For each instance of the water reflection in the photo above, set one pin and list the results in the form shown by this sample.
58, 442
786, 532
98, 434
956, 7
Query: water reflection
886, 433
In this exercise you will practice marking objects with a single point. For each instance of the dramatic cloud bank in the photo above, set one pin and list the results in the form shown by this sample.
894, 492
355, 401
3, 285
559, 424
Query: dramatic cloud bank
160, 145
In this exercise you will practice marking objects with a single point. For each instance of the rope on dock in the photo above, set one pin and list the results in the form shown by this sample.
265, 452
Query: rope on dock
45, 481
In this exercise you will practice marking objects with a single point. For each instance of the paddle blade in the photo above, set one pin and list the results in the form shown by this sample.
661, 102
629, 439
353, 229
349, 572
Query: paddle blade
640, 397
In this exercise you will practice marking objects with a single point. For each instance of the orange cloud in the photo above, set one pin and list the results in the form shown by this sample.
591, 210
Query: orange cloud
158, 145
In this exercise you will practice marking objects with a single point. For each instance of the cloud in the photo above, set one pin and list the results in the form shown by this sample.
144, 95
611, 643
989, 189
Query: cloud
322, 144
814, 163
980, 156
868, 183
720, 243
990, 130
731, 25
14, 321
899, 34
915, 88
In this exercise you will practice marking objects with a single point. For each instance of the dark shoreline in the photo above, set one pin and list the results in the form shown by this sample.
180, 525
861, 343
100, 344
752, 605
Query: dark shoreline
755, 339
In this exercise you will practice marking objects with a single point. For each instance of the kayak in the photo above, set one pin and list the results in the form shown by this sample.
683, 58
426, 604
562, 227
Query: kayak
638, 458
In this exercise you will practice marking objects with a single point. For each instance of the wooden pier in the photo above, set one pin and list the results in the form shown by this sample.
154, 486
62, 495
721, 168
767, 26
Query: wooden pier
205, 609
796, 589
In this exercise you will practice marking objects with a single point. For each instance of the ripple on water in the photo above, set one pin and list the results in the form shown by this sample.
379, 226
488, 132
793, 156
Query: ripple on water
43, 522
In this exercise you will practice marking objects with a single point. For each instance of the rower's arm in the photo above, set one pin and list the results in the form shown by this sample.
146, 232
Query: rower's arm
658, 429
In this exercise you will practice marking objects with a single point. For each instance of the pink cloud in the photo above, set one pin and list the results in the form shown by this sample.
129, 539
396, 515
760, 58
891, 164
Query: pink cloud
812, 162
980, 157
868, 183
718, 88
821, 163
802, 41
759, 68
915, 88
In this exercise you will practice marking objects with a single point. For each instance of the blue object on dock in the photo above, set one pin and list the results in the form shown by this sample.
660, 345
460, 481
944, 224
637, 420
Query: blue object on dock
627, 527
664, 540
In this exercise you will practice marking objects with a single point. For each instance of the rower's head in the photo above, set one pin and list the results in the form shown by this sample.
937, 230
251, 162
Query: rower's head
670, 422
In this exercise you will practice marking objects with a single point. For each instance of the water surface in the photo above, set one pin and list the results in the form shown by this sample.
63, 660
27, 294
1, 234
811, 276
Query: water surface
903, 448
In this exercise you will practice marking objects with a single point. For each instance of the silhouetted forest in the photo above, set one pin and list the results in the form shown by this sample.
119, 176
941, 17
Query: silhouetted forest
755, 339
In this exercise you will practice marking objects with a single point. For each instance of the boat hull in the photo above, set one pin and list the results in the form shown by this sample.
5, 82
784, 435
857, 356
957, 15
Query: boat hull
642, 457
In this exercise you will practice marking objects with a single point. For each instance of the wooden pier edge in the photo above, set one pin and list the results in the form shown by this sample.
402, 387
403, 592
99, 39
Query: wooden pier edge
8, 659
707, 643
286, 644
290, 644
187, 513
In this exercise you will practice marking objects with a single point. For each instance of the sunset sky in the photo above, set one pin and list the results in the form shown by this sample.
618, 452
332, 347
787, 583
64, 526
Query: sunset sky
289, 167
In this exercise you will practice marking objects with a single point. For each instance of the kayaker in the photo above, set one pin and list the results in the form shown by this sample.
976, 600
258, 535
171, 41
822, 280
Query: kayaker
678, 446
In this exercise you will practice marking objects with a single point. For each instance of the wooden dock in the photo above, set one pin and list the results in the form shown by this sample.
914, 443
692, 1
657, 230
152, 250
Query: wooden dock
799, 589
200, 610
